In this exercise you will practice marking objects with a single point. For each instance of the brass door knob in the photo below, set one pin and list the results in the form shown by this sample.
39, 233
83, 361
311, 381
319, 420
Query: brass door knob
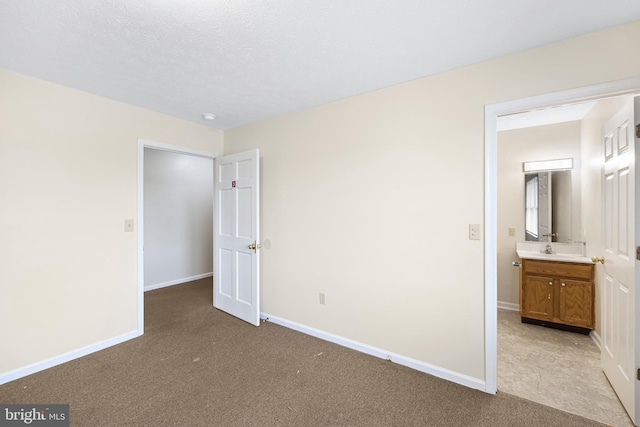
596, 259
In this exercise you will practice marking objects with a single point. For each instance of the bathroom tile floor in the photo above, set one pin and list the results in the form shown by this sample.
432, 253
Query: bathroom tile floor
556, 368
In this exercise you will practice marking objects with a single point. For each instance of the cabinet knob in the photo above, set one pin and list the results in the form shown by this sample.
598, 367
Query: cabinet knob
564, 284
550, 283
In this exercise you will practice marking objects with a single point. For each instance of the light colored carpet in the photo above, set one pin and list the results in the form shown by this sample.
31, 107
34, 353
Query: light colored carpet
556, 368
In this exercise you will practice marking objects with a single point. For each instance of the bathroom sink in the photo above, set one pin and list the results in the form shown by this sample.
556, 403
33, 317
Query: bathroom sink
554, 257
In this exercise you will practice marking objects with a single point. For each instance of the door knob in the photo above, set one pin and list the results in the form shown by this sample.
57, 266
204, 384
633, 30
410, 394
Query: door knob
254, 246
596, 259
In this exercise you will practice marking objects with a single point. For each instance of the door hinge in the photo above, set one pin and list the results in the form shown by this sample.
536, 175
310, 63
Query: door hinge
637, 131
638, 253
638, 374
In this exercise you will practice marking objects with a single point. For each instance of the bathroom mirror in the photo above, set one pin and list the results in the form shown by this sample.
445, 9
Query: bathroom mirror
548, 206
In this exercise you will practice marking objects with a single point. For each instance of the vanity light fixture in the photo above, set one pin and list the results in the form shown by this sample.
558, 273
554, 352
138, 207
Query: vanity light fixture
208, 116
547, 165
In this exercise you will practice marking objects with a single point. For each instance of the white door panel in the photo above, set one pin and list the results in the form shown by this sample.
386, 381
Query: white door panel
619, 296
236, 228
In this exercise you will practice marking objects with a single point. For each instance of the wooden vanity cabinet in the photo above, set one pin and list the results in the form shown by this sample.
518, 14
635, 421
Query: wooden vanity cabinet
557, 294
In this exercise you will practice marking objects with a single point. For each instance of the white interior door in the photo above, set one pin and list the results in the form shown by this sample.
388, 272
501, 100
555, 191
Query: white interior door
619, 296
236, 236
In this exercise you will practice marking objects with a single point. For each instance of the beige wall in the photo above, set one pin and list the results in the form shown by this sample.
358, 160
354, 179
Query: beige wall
369, 199
557, 141
68, 180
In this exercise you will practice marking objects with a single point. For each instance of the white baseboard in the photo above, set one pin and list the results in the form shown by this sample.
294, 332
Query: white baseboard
596, 338
58, 360
378, 352
508, 306
177, 281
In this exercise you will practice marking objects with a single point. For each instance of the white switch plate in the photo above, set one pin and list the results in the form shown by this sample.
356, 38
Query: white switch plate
128, 225
512, 231
322, 299
474, 231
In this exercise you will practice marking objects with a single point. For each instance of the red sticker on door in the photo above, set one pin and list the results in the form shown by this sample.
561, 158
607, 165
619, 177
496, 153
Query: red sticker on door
233, 184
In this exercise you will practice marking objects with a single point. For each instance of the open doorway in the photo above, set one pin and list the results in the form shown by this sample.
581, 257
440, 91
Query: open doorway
175, 217
492, 111
557, 368
178, 207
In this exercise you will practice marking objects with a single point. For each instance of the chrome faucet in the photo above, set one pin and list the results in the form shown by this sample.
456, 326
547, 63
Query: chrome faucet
548, 249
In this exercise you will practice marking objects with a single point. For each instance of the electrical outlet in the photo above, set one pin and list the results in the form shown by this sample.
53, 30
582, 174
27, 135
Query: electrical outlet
128, 225
474, 231
322, 299
512, 231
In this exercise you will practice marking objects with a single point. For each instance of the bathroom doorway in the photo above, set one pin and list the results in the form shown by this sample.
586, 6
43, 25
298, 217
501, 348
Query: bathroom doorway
567, 142
557, 368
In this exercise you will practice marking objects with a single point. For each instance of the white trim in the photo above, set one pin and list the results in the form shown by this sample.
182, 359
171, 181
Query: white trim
595, 337
492, 111
508, 306
176, 148
66, 357
140, 236
142, 144
380, 353
490, 252
177, 281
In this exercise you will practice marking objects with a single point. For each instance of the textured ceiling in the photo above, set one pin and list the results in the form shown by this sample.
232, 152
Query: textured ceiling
246, 61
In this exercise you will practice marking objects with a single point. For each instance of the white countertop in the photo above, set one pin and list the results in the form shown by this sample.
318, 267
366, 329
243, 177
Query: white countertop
554, 257
561, 252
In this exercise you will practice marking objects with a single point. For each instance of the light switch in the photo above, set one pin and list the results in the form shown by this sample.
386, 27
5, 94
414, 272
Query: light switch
474, 231
128, 225
512, 231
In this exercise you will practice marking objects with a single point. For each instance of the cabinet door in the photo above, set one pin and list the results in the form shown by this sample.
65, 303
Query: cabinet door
537, 298
576, 303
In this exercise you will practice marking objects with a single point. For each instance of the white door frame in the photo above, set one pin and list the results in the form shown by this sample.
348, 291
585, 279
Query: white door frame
492, 111
142, 144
